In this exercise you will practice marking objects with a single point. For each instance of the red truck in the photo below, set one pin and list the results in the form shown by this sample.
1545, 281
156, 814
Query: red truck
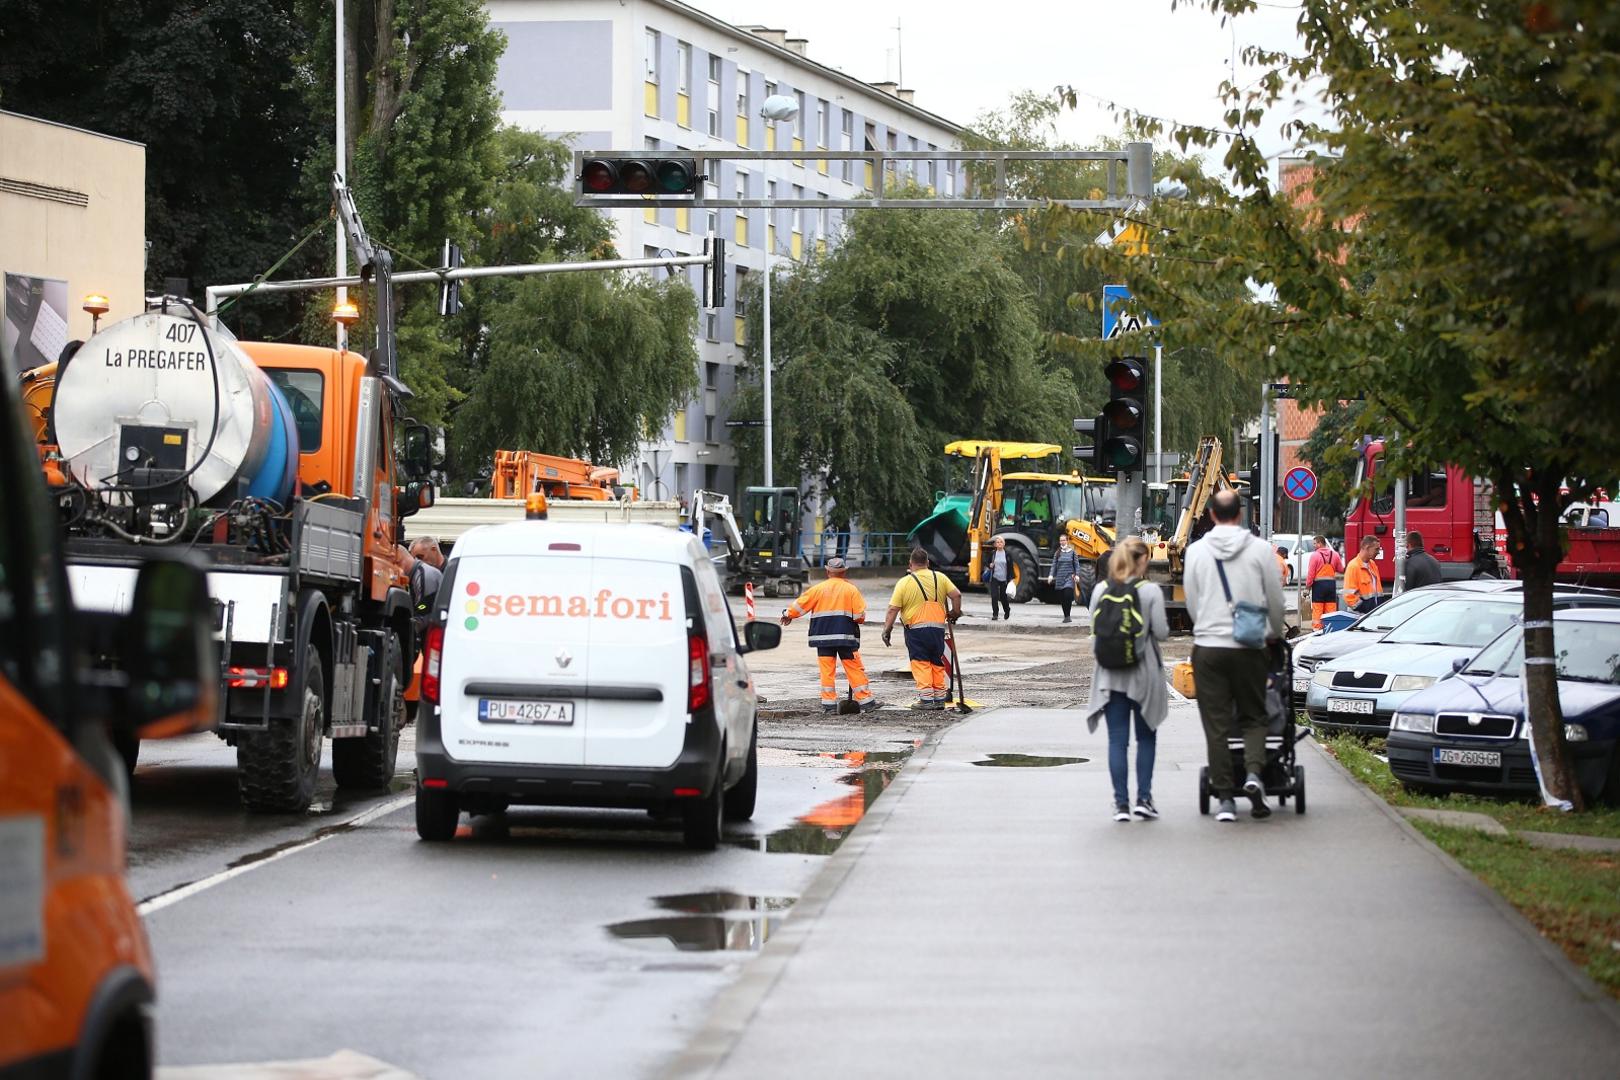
1462, 528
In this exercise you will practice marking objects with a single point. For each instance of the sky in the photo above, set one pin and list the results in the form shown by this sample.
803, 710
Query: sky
963, 58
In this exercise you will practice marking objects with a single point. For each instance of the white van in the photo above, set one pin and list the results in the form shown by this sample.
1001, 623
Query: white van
586, 665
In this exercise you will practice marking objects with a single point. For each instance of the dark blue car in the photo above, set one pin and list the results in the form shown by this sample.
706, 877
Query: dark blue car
1468, 732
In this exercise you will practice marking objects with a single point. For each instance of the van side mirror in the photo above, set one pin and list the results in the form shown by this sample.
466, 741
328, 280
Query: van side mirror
417, 456
169, 651
759, 636
1458, 663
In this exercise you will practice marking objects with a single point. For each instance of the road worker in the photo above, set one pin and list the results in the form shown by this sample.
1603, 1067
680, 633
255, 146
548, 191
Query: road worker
1361, 581
836, 609
1321, 574
920, 601
1282, 563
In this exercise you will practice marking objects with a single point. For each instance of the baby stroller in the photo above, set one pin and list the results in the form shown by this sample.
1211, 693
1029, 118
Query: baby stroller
1283, 776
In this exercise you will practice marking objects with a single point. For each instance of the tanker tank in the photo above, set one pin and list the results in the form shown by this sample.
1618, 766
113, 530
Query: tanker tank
160, 399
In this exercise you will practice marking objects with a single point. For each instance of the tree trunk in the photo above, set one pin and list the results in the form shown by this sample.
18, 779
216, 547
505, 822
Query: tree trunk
353, 83
1530, 511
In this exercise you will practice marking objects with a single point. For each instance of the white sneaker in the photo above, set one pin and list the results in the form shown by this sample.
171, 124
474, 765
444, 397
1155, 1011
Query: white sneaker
1227, 811
1122, 812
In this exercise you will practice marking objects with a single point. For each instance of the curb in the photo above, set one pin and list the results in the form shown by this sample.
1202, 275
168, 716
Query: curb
1583, 984
732, 1010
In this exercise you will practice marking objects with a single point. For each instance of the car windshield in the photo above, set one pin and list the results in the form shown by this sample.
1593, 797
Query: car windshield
1586, 652
1387, 617
1456, 622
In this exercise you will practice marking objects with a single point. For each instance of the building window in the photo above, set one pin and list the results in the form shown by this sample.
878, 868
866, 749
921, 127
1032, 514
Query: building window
711, 376
742, 92
652, 56
683, 67
950, 180
846, 141
714, 123
711, 326
740, 294
770, 88
823, 125
714, 70
708, 434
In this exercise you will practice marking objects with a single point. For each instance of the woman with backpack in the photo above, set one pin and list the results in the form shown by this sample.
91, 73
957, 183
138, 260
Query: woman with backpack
1127, 623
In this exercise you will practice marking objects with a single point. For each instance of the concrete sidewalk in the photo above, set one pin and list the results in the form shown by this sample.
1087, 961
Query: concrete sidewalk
995, 921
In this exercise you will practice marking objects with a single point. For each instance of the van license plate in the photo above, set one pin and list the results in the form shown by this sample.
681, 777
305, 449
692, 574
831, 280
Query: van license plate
508, 711
1350, 705
1487, 759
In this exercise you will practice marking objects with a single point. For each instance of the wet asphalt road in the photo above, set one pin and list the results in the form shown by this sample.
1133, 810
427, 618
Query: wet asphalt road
491, 956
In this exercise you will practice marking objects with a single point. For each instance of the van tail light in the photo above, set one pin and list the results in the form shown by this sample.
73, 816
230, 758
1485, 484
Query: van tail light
697, 691
432, 660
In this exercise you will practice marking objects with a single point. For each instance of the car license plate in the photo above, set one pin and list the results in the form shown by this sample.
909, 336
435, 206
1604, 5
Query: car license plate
509, 711
1350, 705
1302, 686
1485, 759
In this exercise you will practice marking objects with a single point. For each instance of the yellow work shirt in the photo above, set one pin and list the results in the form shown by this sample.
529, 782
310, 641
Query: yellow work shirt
921, 596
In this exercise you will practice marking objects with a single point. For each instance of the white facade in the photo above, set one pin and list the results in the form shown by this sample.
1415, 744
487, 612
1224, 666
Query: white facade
657, 75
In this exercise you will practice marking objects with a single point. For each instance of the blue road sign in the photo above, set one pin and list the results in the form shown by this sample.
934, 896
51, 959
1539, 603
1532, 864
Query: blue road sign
1299, 483
1114, 297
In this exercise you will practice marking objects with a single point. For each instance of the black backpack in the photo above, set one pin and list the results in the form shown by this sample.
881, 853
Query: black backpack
1118, 628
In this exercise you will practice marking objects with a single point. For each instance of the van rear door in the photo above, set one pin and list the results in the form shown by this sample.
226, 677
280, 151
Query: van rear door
514, 669
638, 664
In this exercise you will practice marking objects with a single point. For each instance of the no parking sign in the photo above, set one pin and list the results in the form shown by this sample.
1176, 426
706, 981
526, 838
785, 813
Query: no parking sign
1299, 483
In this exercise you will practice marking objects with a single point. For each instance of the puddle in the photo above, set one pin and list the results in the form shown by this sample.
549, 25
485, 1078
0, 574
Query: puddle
823, 829
699, 933
1028, 761
713, 921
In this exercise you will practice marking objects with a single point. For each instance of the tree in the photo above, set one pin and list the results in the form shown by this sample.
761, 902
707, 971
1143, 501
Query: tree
583, 364
1203, 395
1454, 261
921, 313
214, 93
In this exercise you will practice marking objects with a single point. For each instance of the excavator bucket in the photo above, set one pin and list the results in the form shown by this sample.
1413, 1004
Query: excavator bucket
943, 536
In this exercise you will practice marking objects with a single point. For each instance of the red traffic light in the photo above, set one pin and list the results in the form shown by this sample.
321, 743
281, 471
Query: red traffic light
640, 175
599, 175
1126, 375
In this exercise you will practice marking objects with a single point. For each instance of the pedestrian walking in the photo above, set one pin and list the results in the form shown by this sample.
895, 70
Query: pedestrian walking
1127, 687
1236, 604
1000, 577
924, 601
1065, 576
1421, 567
1321, 574
1362, 582
836, 609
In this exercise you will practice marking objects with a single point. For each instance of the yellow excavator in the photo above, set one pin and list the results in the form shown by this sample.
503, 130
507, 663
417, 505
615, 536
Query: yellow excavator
1030, 509
1167, 553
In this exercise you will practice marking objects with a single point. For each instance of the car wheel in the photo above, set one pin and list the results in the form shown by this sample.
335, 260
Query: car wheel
1203, 790
702, 820
741, 798
437, 813
1299, 789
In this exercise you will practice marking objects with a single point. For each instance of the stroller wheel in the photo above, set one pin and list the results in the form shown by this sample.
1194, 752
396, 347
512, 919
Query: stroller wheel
1299, 789
1203, 790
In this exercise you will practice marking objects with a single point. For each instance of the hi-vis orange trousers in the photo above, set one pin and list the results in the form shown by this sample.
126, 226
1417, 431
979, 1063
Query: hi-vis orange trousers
854, 671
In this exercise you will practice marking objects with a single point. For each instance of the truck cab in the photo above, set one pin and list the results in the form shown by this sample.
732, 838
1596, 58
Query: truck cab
1455, 512
76, 975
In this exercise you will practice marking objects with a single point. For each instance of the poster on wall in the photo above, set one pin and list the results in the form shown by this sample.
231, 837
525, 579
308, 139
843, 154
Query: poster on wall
34, 324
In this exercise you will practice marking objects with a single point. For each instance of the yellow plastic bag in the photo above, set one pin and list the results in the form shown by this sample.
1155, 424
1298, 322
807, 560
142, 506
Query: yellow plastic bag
1181, 677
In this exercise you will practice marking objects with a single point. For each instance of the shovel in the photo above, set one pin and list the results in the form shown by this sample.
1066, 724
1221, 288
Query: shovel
849, 706
962, 704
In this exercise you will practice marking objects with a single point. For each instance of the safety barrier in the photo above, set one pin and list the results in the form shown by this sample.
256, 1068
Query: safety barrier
856, 548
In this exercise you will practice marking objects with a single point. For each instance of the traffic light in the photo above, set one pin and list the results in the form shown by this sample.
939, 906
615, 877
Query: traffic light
450, 291
1125, 415
639, 176
1095, 429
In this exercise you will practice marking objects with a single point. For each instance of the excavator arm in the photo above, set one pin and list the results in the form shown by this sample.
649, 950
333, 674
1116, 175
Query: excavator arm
986, 507
1204, 479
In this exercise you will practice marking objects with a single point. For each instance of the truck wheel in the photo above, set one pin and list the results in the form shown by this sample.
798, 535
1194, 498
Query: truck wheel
1026, 572
1086, 575
437, 814
702, 820
367, 761
276, 769
741, 798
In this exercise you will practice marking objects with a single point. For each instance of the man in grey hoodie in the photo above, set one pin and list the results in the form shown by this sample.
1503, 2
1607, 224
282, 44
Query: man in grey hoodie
1230, 678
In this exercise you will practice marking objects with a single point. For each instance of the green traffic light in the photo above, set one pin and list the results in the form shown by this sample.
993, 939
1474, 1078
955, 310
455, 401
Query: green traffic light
674, 177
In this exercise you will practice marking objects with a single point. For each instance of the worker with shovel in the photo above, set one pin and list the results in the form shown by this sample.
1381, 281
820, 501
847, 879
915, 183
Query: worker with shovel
836, 609
919, 601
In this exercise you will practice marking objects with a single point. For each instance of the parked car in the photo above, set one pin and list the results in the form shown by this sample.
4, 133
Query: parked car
1469, 733
1299, 550
1315, 649
1360, 692
586, 665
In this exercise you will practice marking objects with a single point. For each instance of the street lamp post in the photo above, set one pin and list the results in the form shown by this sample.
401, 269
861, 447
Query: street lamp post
777, 107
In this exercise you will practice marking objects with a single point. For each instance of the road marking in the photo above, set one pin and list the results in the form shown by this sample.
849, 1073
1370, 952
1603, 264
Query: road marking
184, 892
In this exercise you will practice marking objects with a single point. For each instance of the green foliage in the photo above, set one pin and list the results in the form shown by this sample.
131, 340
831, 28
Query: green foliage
579, 364
1331, 453
212, 92
919, 307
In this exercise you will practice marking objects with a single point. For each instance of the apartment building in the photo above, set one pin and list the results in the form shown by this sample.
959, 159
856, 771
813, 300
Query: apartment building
659, 76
